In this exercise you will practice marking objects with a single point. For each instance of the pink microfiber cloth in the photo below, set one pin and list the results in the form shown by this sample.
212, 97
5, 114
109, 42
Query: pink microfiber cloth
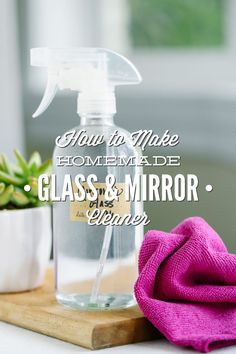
187, 286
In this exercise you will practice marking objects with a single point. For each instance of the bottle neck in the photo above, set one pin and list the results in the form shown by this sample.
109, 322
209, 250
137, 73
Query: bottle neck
97, 119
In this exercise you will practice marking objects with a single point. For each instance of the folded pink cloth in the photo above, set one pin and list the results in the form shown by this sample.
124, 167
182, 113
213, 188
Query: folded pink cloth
187, 286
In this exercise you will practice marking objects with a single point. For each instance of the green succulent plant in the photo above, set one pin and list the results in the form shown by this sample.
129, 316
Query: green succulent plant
13, 178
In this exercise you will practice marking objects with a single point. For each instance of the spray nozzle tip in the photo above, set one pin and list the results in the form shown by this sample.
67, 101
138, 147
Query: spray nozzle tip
35, 115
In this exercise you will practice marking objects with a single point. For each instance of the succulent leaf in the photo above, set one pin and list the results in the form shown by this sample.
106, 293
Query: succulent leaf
5, 197
2, 187
35, 159
33, 200
46, 167
4, 164
33, 183
34, 170
6, 178
19, 198
22, 163
17, 171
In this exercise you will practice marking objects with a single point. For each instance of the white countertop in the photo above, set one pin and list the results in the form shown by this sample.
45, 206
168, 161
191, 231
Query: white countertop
15, 340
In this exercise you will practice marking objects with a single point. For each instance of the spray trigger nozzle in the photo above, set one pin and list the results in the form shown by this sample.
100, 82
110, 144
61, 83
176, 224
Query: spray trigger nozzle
92, 72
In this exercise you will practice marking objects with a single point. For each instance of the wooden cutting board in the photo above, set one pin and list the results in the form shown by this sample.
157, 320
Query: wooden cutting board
38, 311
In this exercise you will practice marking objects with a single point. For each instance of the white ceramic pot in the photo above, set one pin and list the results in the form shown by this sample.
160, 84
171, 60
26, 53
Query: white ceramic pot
25, 245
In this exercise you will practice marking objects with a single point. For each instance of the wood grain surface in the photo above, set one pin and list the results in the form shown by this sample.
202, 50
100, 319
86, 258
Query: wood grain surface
38, 311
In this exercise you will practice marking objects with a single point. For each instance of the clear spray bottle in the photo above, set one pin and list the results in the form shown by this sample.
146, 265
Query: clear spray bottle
96, 265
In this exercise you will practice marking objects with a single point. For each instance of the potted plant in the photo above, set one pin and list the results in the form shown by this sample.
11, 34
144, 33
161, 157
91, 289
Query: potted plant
25, 224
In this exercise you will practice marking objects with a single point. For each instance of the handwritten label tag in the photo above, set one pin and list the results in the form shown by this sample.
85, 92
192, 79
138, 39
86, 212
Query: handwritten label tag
121, 207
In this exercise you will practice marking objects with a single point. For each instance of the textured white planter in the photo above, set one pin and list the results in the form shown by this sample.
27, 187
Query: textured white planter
25, 244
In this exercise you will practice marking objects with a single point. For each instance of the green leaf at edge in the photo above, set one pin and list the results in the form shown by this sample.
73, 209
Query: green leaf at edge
22, 162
